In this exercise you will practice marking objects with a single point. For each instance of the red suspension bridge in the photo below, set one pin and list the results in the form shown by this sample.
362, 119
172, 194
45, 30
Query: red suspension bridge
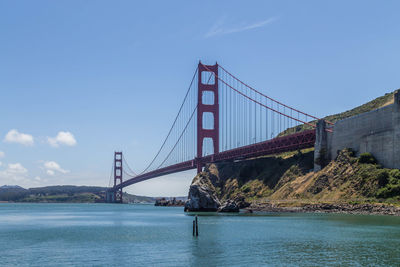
221, 118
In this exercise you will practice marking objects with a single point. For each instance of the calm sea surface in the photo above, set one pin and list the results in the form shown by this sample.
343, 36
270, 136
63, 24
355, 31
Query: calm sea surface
144, 235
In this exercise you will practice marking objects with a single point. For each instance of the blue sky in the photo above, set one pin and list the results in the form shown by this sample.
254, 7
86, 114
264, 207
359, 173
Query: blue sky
80, 79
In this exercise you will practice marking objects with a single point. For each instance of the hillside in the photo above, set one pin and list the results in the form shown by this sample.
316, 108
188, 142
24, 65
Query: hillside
347, 178
379, 102
64, 193
288, 180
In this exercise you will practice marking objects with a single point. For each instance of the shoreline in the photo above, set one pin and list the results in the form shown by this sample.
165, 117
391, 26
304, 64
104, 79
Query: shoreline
362, 209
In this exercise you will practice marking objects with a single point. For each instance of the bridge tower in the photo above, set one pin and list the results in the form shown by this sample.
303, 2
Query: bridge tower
207, 83
116, 196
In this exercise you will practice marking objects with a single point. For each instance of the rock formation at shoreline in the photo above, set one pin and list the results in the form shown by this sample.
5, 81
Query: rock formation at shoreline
202, 194
229, 206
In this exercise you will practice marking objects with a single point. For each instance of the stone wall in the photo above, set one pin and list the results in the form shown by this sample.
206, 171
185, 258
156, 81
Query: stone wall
377, 132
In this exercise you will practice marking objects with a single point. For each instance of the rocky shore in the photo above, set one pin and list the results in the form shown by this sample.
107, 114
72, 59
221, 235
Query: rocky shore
169, 202
377, 209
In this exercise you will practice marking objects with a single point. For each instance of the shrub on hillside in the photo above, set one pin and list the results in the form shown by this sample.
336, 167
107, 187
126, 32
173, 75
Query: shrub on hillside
367, 158
383, 178
389, 191
395, 174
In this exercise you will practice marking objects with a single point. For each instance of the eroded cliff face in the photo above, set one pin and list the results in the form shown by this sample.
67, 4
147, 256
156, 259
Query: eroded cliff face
289, 178
229, 186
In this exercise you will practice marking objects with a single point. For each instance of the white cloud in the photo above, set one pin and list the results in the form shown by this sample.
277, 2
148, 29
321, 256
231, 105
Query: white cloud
17, 168
52, 167
15, 172
220, 29
1, 163
62, 138
2, 155
37, 178
13, 136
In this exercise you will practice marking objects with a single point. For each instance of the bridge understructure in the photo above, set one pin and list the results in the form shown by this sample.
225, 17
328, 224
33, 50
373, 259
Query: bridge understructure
220, 119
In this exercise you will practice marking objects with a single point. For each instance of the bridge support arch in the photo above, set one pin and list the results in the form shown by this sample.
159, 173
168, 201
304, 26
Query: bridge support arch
207, 84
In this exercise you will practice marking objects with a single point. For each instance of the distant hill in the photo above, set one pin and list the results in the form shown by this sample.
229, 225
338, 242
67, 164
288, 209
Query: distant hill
63, 193
379, 102
11, 187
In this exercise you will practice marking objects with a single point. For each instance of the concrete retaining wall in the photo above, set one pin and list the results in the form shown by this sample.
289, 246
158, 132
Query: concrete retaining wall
377, 132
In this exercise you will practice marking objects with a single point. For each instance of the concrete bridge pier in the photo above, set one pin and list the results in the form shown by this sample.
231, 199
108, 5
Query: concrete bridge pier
110, 197
321, 156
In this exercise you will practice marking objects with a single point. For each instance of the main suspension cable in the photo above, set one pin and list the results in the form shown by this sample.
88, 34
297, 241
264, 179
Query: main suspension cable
276, 101
257, 102
173, 124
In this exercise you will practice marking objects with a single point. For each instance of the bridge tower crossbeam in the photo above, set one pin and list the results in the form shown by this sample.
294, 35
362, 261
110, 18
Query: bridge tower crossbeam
207, 84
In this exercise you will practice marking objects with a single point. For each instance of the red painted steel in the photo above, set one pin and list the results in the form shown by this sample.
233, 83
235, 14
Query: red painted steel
117, 176
183, 166
202, 108
292, 142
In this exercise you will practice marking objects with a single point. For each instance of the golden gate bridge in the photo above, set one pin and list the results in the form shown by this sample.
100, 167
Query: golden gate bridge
221, 118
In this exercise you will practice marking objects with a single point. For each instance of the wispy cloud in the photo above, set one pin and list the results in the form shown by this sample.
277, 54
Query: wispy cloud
52, 167
220, 27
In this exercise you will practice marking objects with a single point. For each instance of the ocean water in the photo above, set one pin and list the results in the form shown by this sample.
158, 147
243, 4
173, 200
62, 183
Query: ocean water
144, 235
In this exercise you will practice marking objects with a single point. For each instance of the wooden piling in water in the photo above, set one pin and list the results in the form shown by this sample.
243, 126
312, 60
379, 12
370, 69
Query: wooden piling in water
197, 227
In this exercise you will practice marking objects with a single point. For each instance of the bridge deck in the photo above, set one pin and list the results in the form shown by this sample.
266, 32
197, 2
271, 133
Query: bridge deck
287, 143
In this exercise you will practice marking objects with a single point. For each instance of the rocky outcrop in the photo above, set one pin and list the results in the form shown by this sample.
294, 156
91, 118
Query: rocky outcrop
241, 202
169, 202
202, 195
205, 193
229, 206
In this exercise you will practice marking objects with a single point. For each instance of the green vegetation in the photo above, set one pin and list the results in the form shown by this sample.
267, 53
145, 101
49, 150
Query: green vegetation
65, 193
367, 158
74, 198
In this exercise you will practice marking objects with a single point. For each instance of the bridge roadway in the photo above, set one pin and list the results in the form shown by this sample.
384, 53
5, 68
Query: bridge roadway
287, 143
